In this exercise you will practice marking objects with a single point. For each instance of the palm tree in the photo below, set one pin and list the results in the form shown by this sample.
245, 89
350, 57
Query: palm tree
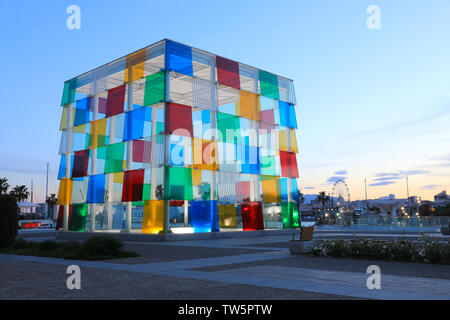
20, 193
4, 185
323, 198
51, 202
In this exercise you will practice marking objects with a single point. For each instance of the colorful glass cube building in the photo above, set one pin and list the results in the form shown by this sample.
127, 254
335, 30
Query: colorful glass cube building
172, 138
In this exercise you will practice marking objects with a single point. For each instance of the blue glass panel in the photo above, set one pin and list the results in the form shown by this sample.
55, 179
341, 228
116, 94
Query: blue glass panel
295, 196
251, 162
179, 58
62, 167
284, 191
206, 116
204, 216
134, 124
81, 117
287, 115
96, 189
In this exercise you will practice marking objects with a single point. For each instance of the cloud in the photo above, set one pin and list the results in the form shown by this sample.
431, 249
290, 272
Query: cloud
341, 172
384, 183
387, 174
414, 172
309, 188
430, 187
388, 178
335, 178
400, 174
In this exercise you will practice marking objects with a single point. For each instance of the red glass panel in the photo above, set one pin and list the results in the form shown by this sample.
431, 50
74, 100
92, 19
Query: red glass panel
243, 190
288, 162
133, 185
252, 217
228, 72
177, 117
80, 164
116, 99
141, 151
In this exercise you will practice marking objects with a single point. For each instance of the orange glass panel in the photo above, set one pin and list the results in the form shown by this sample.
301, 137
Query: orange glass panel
249, 106
271, 189
65, 191
135, 62
153, 218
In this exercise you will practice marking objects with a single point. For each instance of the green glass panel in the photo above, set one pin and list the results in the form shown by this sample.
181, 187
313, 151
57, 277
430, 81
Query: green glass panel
78, 218
155, 88
70, 88
269, 85
227, 122
178, 183
205, 190
101, 153
295, 216
146, 193
268, 166
287, 209
114, 157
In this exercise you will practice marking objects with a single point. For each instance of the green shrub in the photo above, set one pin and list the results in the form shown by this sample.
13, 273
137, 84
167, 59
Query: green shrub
9, 220
101, 246
71, 246
47, 245
335, 248
21, 244
432, 252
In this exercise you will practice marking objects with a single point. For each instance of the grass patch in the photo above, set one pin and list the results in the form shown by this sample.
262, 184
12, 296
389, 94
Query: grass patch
96, 248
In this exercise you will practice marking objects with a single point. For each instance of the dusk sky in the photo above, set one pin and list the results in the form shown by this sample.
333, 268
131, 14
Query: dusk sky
372, 104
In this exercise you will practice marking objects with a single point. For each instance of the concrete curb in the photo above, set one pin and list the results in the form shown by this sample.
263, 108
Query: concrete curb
136, 237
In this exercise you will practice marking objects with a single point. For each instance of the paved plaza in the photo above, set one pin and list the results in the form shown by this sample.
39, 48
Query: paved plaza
240, 268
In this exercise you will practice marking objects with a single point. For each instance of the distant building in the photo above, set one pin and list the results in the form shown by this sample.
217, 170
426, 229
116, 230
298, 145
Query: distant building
441, 199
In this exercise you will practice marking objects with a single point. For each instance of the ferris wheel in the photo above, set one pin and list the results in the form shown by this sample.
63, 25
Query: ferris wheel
341, 192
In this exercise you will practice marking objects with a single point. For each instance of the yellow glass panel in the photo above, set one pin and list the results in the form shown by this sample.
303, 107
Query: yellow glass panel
65, 191
65, 113
196, 177
118, 177
79, 129
97, 128
271, 189
248, 106
227, 216
282, 140
135, 62
294, 146
153, 218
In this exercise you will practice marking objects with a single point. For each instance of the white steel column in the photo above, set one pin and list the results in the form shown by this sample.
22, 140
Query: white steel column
129, 148
213, 124
68, 152
254, 141
186, 160
112, 122
94, 154
166, 157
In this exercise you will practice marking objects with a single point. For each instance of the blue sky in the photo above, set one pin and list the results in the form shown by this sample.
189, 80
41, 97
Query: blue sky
373, 104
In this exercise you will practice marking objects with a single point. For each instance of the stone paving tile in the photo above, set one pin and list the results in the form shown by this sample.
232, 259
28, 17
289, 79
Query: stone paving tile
353, 265
48, 281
